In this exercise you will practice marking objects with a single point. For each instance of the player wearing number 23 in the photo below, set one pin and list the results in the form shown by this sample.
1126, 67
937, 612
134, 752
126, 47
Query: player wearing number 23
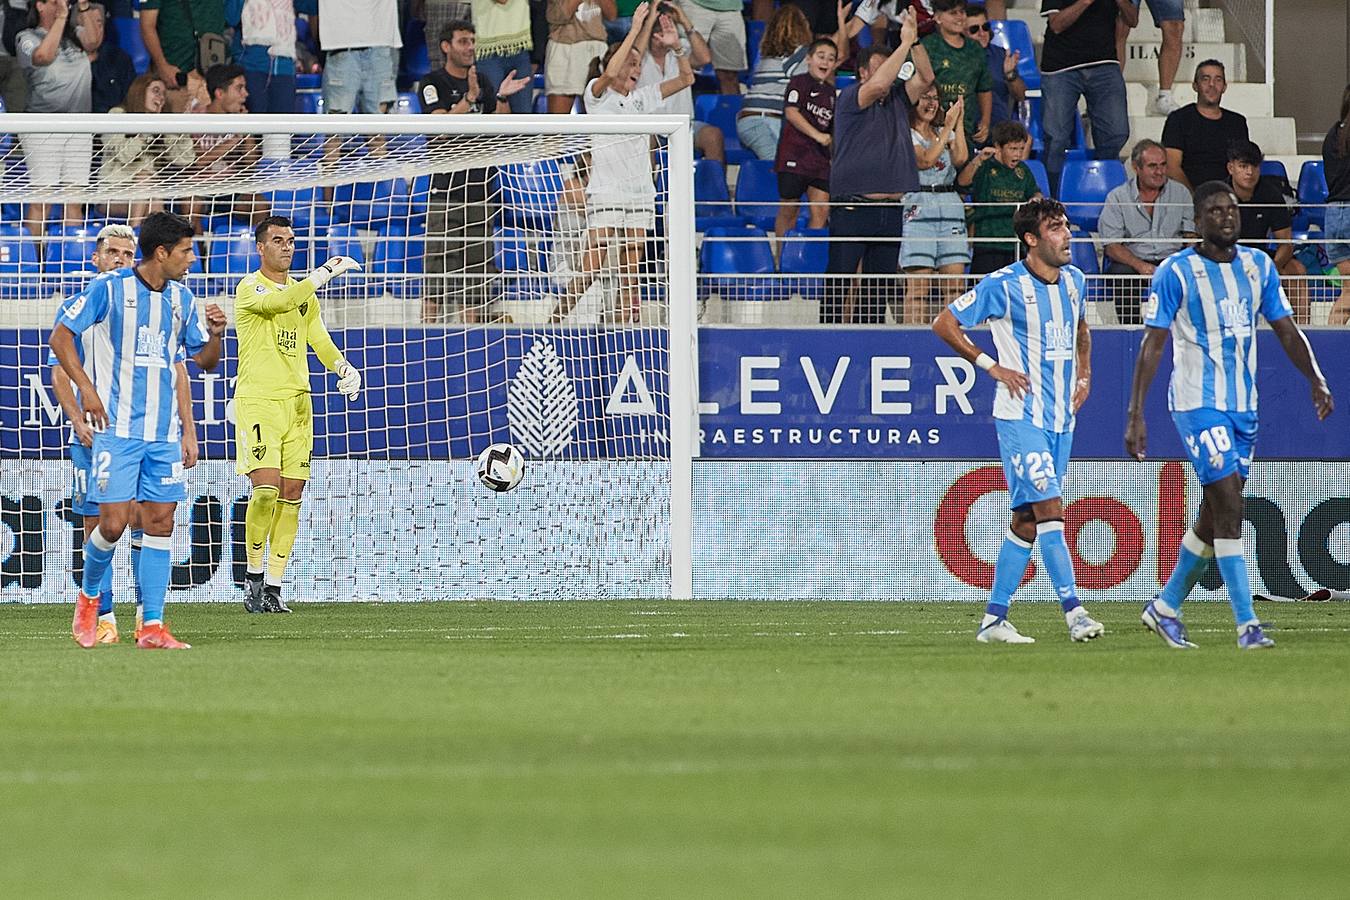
1035, 313
1210, 298
277, 320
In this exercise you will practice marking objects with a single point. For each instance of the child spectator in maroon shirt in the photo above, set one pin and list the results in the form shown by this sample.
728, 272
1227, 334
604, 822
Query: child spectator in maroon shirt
803, 160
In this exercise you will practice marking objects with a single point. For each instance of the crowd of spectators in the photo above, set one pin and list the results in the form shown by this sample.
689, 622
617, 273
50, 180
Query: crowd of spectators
949, 189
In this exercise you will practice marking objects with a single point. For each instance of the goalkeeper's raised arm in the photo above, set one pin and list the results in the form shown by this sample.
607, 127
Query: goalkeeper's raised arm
277, 320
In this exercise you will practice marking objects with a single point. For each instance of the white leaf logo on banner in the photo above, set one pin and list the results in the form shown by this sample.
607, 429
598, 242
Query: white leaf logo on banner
541, 403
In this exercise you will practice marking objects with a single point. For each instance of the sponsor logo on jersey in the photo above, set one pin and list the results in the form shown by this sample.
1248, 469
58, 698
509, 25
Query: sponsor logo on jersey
150, 347
260, 289
286, 341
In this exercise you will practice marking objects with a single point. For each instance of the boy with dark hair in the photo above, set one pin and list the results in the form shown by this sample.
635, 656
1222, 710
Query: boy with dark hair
1265, 215
961, 67
999, 182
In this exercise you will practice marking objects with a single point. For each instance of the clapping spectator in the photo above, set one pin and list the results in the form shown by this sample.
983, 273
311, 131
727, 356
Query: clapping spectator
1078, 60
961, 67
1198, 135
1265, 215
59, 81
935, 218
111, 70
1143, 222
1336, 160
621, 195
129, 158
720, 22
265, 46
999, 182
576, 35
660, 64
1009, 88
504, 44
803, 160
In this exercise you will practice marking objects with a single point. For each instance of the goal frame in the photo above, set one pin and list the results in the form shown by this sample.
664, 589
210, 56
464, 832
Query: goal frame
678, 219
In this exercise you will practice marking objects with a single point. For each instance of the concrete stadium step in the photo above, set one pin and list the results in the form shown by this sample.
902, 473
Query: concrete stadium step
1276, 137
1141, 59
1253, 100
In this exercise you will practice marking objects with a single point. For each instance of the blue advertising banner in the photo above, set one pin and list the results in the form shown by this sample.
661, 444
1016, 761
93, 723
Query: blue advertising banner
889, 393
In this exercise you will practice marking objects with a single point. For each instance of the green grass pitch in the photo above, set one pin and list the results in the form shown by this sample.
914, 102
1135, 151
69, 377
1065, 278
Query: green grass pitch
659, 749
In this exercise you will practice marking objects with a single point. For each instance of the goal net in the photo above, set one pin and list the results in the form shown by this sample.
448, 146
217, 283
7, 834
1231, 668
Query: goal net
524, 279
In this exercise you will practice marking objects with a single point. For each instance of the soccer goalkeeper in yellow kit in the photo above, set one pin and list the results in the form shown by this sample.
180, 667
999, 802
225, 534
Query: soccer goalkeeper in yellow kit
276, 320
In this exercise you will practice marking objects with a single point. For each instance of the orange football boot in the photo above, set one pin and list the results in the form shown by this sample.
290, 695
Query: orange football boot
85, 626
107, 633
157, 637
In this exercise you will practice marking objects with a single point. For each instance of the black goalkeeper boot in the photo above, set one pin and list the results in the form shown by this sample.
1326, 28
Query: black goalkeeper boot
272, 601
253, 593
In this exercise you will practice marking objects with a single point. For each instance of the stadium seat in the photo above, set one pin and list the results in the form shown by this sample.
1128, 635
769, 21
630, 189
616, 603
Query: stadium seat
305, 207
843, 81
309, 102
343, 240
128, 32
309, 81
730, 252
804, 253
1014, 34
414, 62
1032, 121
370, 204
1042, 178
757, 193
712, 200
399, 263
1274, 167
1313, 191
721, 110
1083, 253
232, 253
20, 273
68, 250
407, 104
1083, 186
528, 193
521, 256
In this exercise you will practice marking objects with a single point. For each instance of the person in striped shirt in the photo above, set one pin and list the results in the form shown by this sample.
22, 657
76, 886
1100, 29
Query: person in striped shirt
1209, 298
136, 325
1034, 308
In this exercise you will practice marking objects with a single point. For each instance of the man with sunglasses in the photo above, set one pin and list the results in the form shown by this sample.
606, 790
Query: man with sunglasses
1009, 88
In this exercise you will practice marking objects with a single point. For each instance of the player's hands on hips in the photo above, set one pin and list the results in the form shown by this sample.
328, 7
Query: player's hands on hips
349, 381
215, 319
1136, 437
1081, 388
190, 451
1322, 402
338, 265
83, 433
1016, 383
95, 416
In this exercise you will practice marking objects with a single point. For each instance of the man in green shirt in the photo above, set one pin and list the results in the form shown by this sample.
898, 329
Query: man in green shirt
170, 29
962, 69
999, 182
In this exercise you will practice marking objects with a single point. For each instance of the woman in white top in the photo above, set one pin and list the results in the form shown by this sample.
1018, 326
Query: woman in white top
620, 196
935, 219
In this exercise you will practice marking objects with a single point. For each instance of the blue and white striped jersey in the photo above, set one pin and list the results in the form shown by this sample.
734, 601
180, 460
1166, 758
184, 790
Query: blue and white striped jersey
133, 336
1212, 310
1035, 328
79, 350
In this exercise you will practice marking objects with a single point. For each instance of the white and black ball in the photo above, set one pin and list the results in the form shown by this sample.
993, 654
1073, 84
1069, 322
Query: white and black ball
500, 467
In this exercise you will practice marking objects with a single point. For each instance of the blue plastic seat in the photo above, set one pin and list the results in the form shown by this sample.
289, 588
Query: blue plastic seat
68, 267
343, 240
20, 273
804, 253
408, 104
712, 200
368, 204
400, 260
1083, 186
309, 102
1042, 177
721, 110
757, 193
1274, 167
308, 81
1032, 121
1014, 34
305, 207
1083, 254
233, 253
730, 252
521, 256
528, 192
1313, 191
128, 32
843, 81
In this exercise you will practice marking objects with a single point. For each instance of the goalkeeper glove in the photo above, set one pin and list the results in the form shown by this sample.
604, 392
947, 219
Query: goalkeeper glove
338, 265
349, 381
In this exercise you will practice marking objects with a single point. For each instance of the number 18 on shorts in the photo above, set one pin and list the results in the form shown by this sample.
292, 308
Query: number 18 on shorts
1219, 443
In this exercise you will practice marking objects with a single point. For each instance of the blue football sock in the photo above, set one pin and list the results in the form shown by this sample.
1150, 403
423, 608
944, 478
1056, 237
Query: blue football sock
1058, 563
1233, 567
105, 594
98, 554
137, 538
153, 576
1192, 559
1008, 571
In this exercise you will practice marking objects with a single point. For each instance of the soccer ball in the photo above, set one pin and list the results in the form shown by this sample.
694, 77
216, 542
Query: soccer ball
500, 467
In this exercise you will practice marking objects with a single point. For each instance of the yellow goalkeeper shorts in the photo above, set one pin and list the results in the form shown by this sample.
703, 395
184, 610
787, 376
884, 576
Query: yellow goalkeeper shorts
274, 434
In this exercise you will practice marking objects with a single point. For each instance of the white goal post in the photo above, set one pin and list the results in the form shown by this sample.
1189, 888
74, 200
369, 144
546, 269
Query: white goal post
520, 282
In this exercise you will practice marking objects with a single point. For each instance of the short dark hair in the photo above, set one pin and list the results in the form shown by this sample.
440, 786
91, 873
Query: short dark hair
1205, 191
218, 77
1008, 132
1210, 62
448, 32
867, 54
940, 6
976, 9
162, 229
822, 42
1248, 152
1029, 216
260, 230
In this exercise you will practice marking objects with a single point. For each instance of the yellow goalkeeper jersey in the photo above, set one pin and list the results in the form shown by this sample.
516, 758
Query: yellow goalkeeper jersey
274, 324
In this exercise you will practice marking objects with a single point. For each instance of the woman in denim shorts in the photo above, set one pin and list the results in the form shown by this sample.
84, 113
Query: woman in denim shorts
935, 218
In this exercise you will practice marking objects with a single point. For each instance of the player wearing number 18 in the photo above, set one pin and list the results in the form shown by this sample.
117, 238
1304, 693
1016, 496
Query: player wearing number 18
277, 319
1210, 297
1035, 312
